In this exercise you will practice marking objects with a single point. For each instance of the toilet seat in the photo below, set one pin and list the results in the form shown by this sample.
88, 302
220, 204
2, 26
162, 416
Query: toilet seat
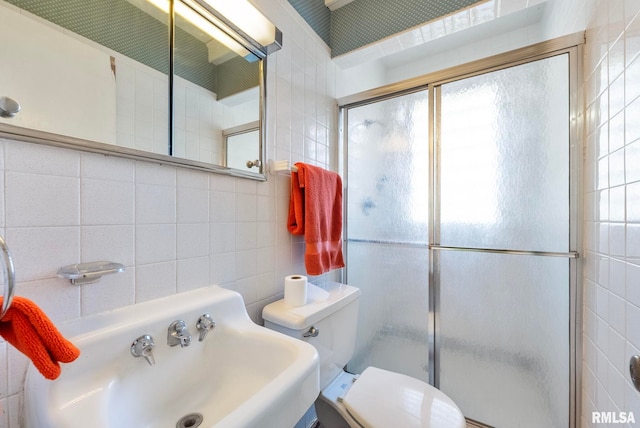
382, 399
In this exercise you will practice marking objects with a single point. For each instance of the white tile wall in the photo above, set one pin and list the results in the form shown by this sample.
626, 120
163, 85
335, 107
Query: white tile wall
175, 229
612, 180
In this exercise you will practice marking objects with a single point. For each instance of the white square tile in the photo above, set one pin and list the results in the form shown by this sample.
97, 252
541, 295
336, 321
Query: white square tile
615, 316
616, 385
633, 283
39, 252
222, 268
633, 243
192, 273
632, 162
155, 243
17, 365
222, 237
632, 33
193, 179
617, 351
57, 298
246, 236
265, 234
107, 202
155, 204
155, 280
4, 375
41, 159
106, 167
113, 243
192, 205
42, 200
246, 262
617, 243
247, 287
110, 292
632, 322
246, 208
602, 302
222, 207
617, 204
193, 240
617, 277
633, 202
150, 173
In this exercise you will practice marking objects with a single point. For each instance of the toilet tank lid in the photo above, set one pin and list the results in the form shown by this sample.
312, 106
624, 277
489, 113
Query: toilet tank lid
321, 302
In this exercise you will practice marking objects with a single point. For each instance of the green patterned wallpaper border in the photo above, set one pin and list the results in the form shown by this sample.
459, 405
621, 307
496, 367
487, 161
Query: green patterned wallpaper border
362, 22
365, 21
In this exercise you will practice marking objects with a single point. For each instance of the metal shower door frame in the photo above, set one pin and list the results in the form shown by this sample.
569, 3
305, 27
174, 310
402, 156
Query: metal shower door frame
572, 45
575, 201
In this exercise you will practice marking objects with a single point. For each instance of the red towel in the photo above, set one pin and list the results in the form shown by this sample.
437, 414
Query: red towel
315, 211
27, 328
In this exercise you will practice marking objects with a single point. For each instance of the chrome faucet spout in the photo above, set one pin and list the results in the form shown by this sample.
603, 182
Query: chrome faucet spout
178, 334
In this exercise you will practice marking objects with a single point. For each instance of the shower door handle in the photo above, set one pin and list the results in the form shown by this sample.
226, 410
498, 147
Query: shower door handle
570, 254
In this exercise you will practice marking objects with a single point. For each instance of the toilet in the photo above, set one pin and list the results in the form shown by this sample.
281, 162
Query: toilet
376, 398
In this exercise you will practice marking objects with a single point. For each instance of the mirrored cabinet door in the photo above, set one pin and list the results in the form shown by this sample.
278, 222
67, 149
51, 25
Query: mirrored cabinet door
130, 77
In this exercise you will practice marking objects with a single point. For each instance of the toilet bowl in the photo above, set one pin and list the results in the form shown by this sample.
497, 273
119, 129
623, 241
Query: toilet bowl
376, 398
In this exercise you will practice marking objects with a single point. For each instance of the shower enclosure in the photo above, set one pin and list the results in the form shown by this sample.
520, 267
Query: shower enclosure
461, 231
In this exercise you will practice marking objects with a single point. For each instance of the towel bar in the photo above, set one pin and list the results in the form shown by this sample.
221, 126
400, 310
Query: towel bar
10, 284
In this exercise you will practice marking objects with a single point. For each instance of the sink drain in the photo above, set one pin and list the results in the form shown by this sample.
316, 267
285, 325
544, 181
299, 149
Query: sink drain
192, 420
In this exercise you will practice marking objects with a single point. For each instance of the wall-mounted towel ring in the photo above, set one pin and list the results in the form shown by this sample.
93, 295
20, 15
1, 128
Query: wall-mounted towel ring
9, 107
10, 283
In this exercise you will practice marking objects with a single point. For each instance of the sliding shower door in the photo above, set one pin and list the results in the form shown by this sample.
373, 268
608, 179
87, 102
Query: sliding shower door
387, 170
503, 252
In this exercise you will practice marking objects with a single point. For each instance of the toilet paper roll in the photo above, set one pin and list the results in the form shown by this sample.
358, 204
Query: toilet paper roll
295, 290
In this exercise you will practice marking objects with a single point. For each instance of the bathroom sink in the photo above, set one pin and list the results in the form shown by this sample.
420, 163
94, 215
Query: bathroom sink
240, 375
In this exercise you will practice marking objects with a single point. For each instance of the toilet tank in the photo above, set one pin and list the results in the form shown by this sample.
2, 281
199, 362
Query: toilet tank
332, 313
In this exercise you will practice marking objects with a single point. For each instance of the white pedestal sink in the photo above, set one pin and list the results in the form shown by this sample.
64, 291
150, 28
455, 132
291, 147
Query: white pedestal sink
240, 375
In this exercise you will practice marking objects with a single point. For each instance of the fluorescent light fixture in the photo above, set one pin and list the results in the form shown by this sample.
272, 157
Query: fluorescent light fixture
247, 18
203, 24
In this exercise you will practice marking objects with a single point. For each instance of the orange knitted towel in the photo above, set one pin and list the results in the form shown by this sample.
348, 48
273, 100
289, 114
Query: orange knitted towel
28, 328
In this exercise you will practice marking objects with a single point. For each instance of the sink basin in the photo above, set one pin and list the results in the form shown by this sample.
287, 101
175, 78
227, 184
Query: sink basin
240, 375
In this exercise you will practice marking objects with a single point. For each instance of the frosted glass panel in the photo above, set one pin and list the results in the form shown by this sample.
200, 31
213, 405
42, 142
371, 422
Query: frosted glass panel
388, 169
503, 319
504, 335
387, 232
392, 324
504, 157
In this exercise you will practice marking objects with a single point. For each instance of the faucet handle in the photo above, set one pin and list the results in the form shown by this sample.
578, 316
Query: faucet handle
177, 334
143, 347
205, 325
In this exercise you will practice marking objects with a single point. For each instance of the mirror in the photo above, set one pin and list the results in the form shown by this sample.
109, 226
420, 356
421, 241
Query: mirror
100, 75
240, 145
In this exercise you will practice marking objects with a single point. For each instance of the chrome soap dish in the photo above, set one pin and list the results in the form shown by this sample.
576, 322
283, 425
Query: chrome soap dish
87, 273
